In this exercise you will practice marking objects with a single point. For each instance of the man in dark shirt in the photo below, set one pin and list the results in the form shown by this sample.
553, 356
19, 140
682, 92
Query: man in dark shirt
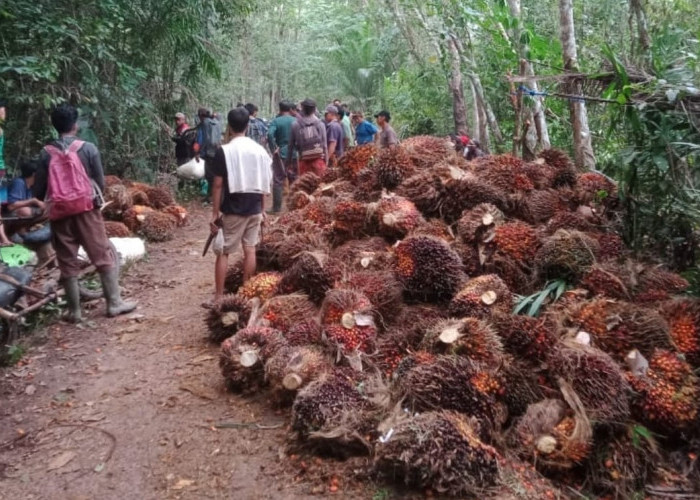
334, 134
183, 149
237, 199
278, 136
86, 229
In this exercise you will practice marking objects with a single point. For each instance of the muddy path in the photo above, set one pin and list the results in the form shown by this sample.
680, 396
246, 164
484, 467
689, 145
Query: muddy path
135, 407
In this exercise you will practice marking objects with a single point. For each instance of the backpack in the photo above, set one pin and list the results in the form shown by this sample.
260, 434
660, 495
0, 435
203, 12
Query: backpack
310, 141
211, 137
69, 191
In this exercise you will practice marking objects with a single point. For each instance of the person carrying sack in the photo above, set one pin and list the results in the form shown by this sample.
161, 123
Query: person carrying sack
208, 141
70, 180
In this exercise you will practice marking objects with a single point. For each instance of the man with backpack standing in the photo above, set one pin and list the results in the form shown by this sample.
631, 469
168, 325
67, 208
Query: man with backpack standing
278, 136
66, 179
208, 141
309, 139
257, 130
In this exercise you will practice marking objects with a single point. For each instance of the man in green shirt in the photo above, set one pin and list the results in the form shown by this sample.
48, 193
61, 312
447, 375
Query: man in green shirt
278, 135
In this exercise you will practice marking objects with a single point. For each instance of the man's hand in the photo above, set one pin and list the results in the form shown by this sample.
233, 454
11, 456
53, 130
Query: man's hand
215, 224
40, 205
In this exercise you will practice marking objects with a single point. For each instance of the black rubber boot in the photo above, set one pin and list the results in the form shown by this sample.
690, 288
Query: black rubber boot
277, 195
72, 289
115, 304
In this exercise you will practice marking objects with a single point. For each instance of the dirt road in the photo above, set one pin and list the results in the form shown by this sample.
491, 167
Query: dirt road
132, 408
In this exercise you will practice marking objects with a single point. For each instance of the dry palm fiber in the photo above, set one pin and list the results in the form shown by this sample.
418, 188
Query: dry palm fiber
139, 197
452, 383
570, 221
313, 273
266, 250
292, 368
291, 219
469, 337
434, 227
610, 246
112, 180
521, 481
365, 254
523, 387
283, 311
355, 160
159, 196
382, 289
466, 193
566, 255
608, 280
396, 217
469, 254
440, 451
298, 200
518, 241
178, 213
243, 356
320, 211
134, 217
477, 224
263, 286
228, 315
304, 332
527, 338
425, 151
683, 317
306, 183
117, 201
331, 415
234, 277
350, 217
116, 229
347, 318
426, 190
294, 245
619, 327
541, 205
667, 396
157, 226
429, 269
659, 283
392, 348
392, 167
594, 187
553, 434
481, 297
595, 378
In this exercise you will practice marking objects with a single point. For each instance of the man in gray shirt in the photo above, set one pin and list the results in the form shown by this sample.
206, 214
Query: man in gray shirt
386, 137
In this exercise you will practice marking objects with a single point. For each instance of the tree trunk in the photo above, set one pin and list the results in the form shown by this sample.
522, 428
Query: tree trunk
459, 106
583, 147
637, 10
476, 115
490, 115
484, 139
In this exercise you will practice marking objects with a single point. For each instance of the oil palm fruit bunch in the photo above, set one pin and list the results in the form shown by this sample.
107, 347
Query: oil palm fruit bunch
157, 226
263, 286
347, 319
481, 297
228, 315
396, 217
470, 337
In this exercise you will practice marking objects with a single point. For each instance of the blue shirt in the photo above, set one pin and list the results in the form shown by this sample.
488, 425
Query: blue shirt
364, 132
19, 191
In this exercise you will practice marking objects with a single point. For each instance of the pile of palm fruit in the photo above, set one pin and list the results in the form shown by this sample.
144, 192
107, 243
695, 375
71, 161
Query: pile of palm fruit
383, 316
138, 208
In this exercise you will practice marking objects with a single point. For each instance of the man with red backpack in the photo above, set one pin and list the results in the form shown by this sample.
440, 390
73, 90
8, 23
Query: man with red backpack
309, 139
67, 179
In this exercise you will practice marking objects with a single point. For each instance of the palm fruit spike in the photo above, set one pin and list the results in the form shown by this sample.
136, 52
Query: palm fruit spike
159, 196
243, 356
234, 277
304, 332
293, 245
111, 180
178, 213
611, 246
429, 269
426, 151
440, 451
320, 211
434, 227
138, 197
523, 386
396, 217
481, 297
452, 383
134, 217
595, 377
313, 273
350, 217
292, 368
298, 200
469, 254
517, 240
540, 174
229, 315
157, 226
468, 192
469, 337
347, 318
593, 186
660, 283
356, 160
263, 286
504, 172
565, 172
541, 205
478, 224
366, 254
530, 339
331, 414
393, 166
568, 220
667, 396
306, 183
683, 316
283, 311
116, 229
414, 321
426, 190
382, 289
521, 481
608, 281
566, 254
117, 200
619, 327
552, 435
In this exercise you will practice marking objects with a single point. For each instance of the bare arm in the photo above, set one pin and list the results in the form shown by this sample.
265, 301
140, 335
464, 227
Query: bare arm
216, 192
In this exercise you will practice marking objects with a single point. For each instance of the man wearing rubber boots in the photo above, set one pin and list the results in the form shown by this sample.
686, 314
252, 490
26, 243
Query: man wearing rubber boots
66, 179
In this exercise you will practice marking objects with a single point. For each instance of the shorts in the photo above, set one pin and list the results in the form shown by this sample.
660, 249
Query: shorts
241, 230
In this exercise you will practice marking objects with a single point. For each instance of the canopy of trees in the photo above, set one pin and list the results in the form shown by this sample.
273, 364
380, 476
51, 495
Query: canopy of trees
511, 73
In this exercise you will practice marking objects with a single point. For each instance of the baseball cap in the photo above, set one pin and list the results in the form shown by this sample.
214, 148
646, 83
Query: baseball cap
385, 114
332, 109
179, 115
308, 103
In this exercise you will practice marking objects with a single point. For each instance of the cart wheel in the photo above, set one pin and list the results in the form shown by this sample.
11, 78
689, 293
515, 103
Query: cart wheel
9, 333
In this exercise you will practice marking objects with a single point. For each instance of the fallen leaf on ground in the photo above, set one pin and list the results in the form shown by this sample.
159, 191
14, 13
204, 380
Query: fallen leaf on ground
61, 460
200, 391
200, 359
183, 483
30, 390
